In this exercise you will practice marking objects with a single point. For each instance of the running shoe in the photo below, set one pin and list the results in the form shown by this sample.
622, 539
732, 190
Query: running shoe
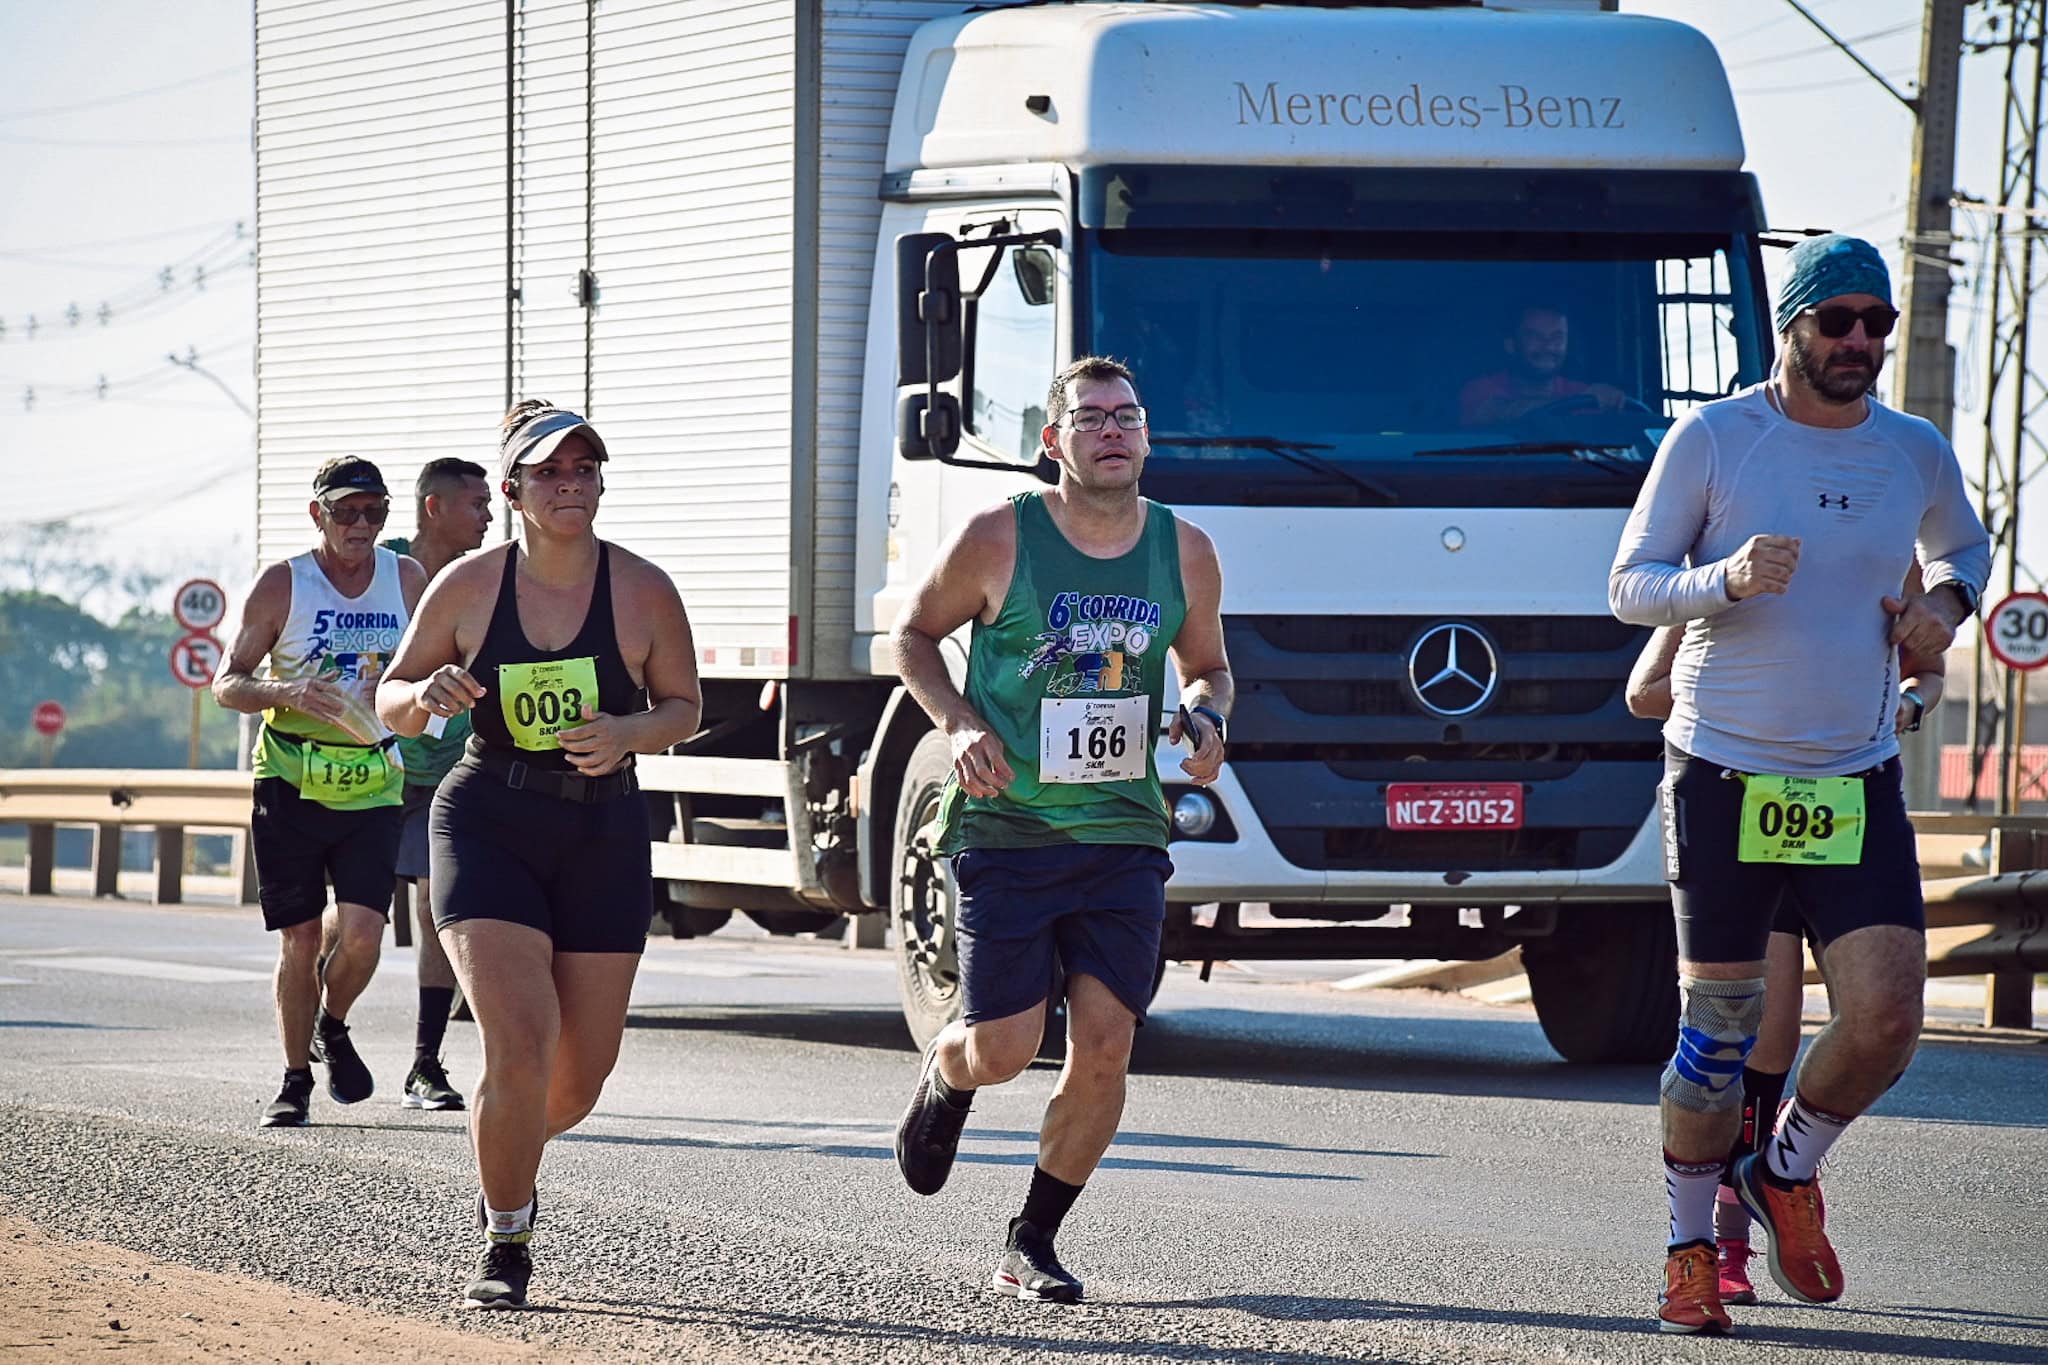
289, 1109
1691, 1301
1734, 1254
1801, 1259
1820, 1204
502, 1275
348, 1080
1030, 1270
426, 1086
928, 1137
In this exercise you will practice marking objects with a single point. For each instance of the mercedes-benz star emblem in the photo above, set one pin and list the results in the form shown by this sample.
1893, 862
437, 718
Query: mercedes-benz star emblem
1453, 669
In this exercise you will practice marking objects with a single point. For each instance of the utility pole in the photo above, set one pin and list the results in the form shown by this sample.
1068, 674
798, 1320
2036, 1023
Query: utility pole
1924, 378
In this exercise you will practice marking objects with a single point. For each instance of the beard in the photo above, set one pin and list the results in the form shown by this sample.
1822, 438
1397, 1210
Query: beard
1840, 382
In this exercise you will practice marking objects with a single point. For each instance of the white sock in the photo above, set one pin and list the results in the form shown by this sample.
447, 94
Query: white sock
1690, 1186
501, 1224
1803, 1138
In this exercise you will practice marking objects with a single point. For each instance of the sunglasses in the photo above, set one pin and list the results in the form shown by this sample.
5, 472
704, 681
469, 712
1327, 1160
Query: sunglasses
1836, 322
376, 514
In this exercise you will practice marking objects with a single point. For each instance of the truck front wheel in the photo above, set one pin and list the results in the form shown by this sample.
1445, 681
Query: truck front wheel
921, 897
1605, 985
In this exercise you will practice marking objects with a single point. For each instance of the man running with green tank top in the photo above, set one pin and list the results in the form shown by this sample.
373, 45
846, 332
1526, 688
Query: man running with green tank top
452, 502
1053, 815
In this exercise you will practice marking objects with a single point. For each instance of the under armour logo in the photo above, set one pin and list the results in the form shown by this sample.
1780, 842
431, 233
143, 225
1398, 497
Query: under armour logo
1839, 501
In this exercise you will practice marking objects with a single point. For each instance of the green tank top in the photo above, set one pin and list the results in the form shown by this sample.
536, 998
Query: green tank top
1071, 676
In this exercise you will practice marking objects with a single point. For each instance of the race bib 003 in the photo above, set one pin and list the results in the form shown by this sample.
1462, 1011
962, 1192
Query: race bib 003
542, 699
337, 773
1811, 821
1092, 739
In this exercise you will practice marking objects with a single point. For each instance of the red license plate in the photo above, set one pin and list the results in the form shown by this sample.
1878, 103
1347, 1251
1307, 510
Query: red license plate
1463, 805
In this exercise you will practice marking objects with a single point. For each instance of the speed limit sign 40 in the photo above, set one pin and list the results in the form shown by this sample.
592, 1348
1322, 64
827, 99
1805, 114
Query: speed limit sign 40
200, 605
2017, 630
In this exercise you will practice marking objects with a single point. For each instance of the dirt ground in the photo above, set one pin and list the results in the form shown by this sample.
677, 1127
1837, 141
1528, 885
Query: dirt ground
65, 1301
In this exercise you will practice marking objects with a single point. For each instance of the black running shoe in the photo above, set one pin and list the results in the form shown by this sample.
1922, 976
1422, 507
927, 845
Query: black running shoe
289, 1109
426, 1086
502, 1274
1030, 1270
348, 1080
928, 1136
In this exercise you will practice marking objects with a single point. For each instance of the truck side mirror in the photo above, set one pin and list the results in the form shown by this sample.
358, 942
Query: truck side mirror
928, 322
927, 425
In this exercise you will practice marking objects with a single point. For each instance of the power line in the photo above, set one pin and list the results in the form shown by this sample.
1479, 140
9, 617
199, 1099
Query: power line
105, 100
122, 142
191, 274
1911, 25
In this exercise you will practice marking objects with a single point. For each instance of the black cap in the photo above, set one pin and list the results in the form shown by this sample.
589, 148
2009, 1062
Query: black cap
350, 474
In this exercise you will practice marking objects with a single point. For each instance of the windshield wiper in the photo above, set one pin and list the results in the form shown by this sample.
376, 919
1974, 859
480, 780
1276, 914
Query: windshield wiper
1302, 453
1600, 457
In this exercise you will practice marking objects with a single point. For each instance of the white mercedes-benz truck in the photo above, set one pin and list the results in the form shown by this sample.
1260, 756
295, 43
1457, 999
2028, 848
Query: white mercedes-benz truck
810, 265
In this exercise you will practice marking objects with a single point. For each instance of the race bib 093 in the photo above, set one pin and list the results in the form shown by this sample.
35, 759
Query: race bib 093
1811, 821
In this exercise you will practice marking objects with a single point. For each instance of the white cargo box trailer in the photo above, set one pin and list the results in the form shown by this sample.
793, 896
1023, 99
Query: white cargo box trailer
685, 218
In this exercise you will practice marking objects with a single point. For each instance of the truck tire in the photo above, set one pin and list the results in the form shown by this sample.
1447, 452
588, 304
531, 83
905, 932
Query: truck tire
921, 897
1605, 985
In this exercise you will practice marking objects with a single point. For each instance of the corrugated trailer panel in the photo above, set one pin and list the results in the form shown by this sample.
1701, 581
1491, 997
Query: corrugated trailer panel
695, 208
380, 280
860, 53
549, 191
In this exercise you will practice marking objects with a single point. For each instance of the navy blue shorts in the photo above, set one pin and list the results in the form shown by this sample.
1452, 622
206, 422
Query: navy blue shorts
1098, 907
415, 856
1728, 909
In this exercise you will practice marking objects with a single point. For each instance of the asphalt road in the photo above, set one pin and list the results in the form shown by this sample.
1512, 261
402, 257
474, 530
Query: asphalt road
1306, 1174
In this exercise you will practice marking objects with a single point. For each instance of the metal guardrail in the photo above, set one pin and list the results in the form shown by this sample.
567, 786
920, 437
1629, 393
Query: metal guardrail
2010, 899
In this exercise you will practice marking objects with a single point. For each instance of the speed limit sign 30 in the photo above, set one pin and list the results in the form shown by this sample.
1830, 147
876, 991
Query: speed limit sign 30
2017, 630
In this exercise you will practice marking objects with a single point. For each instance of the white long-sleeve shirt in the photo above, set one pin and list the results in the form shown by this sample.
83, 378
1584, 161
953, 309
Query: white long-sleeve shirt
1805, 682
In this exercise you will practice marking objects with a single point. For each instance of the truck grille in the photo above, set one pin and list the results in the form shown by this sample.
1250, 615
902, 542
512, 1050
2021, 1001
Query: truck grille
1325, 719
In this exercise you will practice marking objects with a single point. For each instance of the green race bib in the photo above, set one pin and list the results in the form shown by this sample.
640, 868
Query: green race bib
1811, 821
540, 700
340, 773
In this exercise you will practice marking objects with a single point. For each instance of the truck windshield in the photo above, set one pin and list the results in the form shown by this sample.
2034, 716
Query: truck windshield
1419, 369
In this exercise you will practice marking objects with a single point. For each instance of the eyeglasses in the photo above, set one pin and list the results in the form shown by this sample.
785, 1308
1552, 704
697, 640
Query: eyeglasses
1836, 322
376, 514
1130, 417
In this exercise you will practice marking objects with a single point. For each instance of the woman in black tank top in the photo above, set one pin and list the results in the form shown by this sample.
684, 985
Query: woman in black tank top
572, 656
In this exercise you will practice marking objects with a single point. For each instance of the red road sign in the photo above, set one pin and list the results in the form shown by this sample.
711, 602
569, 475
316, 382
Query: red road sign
2017, 630
200, 605
49, 718
195, 659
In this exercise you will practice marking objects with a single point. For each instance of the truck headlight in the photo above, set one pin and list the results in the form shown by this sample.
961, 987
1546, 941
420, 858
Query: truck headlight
1194, 815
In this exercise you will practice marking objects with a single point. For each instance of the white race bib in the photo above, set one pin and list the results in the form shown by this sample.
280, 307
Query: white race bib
1092, 739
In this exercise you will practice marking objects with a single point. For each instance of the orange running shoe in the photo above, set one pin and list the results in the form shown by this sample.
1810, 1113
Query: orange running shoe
1802, 1260
1691, 1301
1734, 1271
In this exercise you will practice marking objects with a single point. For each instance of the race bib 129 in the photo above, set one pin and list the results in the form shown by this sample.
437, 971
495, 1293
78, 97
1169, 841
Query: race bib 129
1092, 739
335, 774
542, 699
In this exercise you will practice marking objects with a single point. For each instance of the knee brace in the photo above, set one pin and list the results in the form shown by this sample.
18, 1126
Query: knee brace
1717, 1028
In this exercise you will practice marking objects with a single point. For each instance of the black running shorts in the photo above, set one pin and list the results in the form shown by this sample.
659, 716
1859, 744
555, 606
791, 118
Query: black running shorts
580, 873
1727, 909
301, 847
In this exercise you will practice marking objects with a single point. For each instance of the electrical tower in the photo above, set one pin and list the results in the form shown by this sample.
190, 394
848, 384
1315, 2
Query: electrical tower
2015, 401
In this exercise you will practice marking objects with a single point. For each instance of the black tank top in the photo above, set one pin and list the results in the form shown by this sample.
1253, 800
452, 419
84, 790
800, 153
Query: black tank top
530, 694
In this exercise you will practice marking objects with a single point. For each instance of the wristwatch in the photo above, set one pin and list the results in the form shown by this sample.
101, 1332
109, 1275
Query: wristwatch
1971, 600
1919, 708
1215, 719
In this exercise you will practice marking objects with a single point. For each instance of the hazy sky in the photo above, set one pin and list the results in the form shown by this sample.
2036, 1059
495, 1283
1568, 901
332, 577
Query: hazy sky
125, 136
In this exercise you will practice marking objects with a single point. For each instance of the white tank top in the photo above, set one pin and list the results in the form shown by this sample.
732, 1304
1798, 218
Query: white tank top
349, 640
